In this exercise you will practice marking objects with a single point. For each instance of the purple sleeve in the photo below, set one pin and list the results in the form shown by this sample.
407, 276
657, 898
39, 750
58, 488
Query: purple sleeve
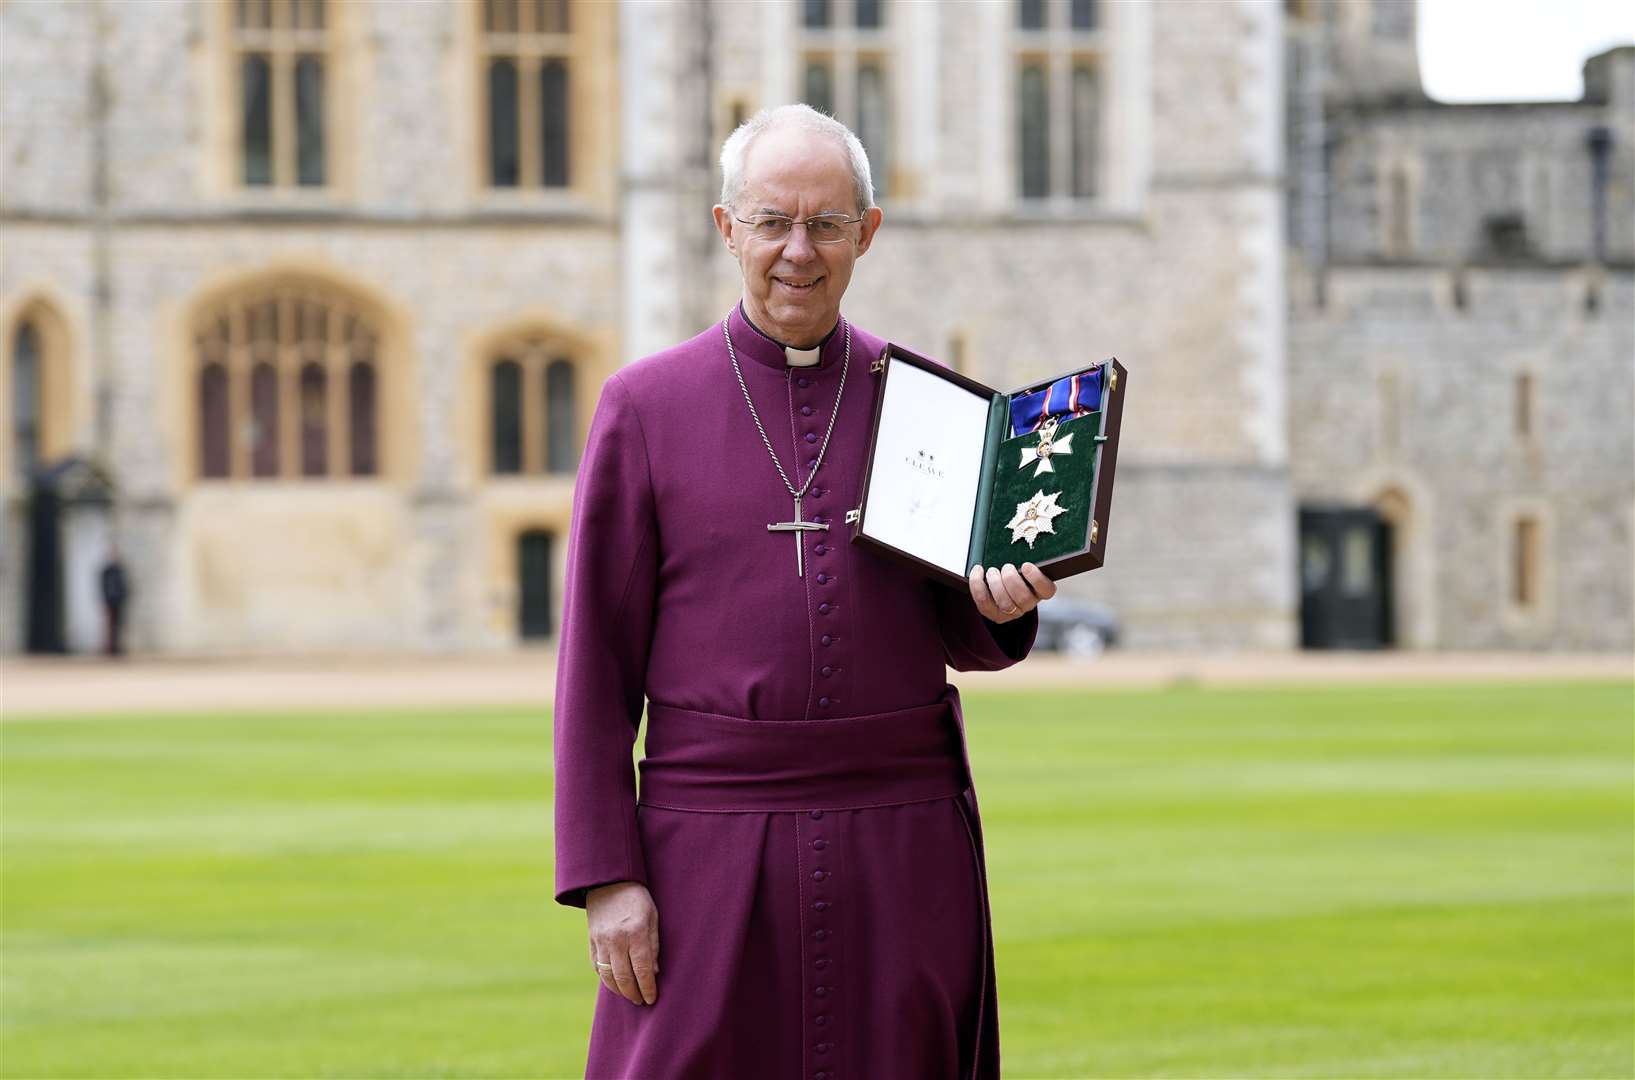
601, 664
971, 641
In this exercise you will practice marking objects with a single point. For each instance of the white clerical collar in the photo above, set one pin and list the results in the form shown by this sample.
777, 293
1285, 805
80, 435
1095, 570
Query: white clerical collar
792, 357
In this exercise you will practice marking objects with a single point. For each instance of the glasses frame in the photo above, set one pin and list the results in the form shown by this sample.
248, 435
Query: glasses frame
752, 222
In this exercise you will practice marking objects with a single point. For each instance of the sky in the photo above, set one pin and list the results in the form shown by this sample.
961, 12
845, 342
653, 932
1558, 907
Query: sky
1516, 50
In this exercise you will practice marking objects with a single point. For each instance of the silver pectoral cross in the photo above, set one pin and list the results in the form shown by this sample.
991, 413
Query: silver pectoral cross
797, 527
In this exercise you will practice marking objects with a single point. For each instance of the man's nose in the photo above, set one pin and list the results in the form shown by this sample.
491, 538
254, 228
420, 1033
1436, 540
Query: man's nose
797, 246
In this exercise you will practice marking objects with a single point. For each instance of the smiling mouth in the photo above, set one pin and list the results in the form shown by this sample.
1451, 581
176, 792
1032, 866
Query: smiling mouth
798, 286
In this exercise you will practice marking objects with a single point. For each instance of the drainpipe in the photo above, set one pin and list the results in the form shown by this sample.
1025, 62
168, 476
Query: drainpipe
101, 243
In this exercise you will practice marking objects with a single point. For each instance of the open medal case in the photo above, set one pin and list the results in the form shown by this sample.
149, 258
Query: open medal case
959, 473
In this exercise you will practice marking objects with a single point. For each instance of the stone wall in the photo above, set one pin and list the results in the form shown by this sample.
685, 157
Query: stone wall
1400, 390
1178, 270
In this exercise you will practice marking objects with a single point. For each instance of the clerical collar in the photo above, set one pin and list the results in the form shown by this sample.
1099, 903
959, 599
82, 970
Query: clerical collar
751, 339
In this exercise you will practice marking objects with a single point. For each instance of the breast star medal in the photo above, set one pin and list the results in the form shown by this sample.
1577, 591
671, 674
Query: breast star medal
1049, 446
1034, 517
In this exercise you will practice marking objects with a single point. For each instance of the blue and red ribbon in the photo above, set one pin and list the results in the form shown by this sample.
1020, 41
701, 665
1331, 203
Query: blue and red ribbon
1067, 397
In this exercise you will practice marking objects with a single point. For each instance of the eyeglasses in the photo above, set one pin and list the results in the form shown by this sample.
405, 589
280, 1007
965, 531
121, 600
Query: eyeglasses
822, 229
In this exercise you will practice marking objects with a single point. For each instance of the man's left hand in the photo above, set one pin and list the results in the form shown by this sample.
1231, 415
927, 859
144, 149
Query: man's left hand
1004, 594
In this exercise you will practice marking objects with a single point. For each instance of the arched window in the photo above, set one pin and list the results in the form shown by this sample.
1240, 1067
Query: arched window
561, 440
527, 58
505, 416
25, 398
532, 408
286, 386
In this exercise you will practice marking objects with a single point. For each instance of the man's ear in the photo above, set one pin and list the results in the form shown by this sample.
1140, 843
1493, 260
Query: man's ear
723, 225
871, 221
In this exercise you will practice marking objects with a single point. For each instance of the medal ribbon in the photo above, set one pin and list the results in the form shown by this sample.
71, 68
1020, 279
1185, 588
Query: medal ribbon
1067, 397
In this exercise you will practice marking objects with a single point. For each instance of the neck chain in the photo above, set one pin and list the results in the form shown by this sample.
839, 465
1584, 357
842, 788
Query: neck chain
799, 525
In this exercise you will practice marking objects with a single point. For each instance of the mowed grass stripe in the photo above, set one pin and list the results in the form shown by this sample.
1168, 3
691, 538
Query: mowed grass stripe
1398, 881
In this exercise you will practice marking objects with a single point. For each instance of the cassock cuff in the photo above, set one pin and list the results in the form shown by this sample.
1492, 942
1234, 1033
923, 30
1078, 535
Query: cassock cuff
1014, 638
573, 894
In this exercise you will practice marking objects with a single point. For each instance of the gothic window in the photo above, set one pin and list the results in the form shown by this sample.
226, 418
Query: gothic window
25, 398
527, 63
505, 422
1059, 93
280, 50
285, 386
1525, 566
1399, 214
844, 72
1524, 405
532, 409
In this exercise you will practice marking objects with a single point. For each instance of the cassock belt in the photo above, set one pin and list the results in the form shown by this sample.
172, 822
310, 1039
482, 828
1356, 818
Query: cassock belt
706, 761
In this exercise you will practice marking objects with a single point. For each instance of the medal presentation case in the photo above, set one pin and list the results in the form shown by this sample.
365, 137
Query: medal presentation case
959, 473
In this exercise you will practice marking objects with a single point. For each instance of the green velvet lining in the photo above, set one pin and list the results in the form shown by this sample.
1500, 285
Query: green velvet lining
999, 415
1073, 475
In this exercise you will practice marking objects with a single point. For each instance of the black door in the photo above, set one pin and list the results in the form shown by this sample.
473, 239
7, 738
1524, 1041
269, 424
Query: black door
1345, 578
534, 584
45, 631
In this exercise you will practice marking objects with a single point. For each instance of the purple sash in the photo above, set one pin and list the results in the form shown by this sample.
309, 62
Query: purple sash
705, 761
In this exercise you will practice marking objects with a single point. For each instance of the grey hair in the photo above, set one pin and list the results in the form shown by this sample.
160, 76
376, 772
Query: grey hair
806, 118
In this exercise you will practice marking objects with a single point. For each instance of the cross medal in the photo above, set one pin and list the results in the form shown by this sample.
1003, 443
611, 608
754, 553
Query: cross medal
797, 527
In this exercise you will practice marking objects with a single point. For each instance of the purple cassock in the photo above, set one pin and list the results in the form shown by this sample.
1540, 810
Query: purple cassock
806, 822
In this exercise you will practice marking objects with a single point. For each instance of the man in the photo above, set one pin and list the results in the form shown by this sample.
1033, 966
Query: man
115, 588
806, 845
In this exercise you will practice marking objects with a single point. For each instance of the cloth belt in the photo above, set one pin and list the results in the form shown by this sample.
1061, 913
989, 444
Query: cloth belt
706, 761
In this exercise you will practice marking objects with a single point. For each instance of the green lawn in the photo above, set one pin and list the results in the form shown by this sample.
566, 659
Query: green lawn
1354, 882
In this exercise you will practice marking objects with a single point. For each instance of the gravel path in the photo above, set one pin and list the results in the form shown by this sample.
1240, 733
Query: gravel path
76, 685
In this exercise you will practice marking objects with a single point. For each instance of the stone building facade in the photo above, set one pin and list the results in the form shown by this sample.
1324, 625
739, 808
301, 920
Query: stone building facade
326, 293
1462, 342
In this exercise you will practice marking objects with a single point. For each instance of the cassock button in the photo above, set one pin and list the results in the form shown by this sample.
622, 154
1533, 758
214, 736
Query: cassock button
804, 381
824, 607
806, 410
821, 905
824, 701
812, 462
820, 1019
818, 845
825, 639
822, 1048
822, 577
820, 991
819, 875
820, 935
820, 549
820, 964
817, 492
816, 815
811, 436
827, 670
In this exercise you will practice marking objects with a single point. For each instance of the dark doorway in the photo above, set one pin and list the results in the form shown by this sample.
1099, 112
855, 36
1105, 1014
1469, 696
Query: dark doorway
1345, 579
534, 584
45, 626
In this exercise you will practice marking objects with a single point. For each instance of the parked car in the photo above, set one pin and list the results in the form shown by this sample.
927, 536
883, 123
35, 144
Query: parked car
1076, 627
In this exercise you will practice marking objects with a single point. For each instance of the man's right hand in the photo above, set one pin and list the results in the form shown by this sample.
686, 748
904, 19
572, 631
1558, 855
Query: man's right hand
624, 932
